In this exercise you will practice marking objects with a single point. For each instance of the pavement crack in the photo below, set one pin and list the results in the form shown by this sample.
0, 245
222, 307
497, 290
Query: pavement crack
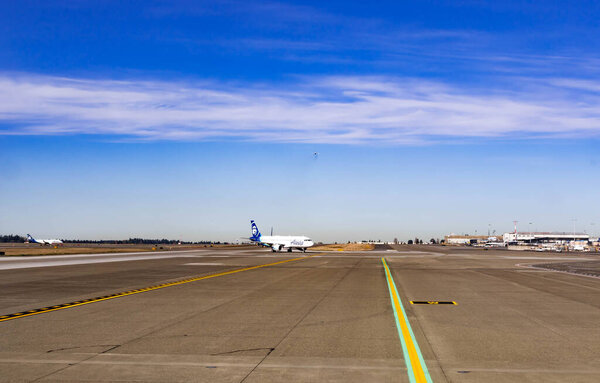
271, 349
110, 347
63, 368
349, 270
159, 328
540, 322
189, 316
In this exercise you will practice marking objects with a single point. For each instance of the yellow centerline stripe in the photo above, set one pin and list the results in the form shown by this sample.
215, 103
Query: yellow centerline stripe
417, 370
138, 291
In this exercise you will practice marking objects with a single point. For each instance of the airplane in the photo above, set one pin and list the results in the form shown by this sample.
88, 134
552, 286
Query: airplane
30, 239
280, 242
494, 244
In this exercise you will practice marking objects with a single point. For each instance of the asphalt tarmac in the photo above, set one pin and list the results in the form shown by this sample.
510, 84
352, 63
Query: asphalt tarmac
226, 315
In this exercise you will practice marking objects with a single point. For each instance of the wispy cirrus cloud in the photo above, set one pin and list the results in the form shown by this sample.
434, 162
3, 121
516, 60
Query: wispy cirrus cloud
294, 33
341, 110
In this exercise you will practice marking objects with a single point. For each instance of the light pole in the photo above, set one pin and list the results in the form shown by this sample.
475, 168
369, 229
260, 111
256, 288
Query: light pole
530, 233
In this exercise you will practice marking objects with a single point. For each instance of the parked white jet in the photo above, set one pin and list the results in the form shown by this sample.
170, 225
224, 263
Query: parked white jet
280, 242
30, 239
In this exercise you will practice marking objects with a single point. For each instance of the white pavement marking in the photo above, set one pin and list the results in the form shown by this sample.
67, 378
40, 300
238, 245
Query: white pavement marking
543, 269
101, 360
375, 256
26, 265
549, 258
37, 257
203, 264
19, 262
82, 259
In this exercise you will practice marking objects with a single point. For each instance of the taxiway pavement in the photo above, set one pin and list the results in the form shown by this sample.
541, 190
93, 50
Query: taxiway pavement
326, 317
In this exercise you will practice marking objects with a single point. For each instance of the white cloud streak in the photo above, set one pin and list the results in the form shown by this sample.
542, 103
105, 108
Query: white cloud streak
339, 110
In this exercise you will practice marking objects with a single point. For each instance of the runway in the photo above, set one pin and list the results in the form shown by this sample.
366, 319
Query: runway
81, 259
223, 315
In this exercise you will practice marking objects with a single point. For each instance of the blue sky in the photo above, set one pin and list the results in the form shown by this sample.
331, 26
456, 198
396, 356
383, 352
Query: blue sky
186, 119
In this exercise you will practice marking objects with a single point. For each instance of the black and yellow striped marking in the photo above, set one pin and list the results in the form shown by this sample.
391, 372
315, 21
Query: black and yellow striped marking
137, 291
433, 303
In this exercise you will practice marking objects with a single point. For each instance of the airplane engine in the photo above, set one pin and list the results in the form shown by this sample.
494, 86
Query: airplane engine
276, 247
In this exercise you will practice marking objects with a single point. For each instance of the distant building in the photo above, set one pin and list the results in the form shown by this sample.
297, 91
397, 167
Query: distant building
545, 237
453, 239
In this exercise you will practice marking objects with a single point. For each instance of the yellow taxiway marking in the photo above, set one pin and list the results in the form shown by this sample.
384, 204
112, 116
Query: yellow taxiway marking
138, 291
415, 364
433, 303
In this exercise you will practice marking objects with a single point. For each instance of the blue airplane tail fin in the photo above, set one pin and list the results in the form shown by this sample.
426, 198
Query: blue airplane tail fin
255, 232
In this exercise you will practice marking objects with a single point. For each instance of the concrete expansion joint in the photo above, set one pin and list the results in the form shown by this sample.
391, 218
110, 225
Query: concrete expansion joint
110, 347
271, 349
317, 303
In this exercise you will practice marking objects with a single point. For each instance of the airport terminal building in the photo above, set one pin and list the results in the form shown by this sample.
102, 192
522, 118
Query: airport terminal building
545, 237
454, 239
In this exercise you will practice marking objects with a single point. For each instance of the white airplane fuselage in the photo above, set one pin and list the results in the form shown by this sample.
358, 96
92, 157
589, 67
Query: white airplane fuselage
280, 242
30, 239
286, 242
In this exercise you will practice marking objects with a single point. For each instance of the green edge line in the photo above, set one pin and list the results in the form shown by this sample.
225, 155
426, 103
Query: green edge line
411, 374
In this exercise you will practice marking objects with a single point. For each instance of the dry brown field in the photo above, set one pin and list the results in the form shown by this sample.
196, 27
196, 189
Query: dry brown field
344, 247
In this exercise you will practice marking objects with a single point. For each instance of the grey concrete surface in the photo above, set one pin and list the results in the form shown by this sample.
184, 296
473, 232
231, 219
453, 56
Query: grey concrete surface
587, 268
9, 263
326, 318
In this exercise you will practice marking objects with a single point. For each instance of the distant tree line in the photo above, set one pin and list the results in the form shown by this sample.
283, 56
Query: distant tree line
12, 238
144, 241
418, 241
130, 241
